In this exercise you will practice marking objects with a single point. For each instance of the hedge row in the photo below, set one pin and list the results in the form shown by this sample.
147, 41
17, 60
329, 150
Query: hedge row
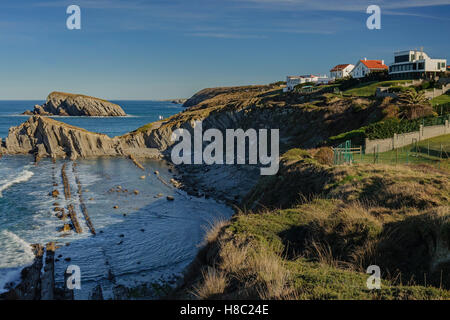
385, 129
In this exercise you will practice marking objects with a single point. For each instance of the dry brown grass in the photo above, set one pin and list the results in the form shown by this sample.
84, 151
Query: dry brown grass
323, 155
256, 271
233, 258
213, 230
272, 277
213, 283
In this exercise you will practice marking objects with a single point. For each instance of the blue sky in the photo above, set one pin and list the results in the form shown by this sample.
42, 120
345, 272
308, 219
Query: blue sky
135, 49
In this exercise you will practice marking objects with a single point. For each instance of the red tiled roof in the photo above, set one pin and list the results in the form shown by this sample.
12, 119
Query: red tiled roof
339, 67
374, 64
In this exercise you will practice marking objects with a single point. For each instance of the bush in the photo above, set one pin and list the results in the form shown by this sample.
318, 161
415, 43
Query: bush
356, 136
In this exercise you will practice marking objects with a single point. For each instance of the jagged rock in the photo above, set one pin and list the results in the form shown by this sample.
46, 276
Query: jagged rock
120, 292
65, 228
68, 104
178, 101
48, 277
97, 293
45, 137
30, 286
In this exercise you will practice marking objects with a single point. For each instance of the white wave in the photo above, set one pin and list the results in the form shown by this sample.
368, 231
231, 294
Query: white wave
24, 176
16, 252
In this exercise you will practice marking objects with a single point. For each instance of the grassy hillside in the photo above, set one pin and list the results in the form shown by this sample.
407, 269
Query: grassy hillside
313, 229
434, 151
369, 88
445, 98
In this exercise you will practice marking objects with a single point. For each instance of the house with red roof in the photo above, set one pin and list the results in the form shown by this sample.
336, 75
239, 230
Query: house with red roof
341, 71
365, 67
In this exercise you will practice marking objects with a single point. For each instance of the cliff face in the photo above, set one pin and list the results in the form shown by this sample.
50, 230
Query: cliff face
45, 137
209, 93
66, 104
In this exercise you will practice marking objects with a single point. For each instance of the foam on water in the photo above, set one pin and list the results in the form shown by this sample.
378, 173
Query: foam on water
147, 239
15, 247
24, 176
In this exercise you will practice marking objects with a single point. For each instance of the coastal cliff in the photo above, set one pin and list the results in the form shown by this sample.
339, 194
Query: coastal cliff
67, 104
311, 230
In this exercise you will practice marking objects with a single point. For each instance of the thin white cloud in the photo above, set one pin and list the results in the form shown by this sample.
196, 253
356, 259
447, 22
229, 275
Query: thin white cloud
347, 5
225, 35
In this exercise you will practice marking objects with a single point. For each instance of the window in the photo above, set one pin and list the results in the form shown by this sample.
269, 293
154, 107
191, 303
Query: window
403, 58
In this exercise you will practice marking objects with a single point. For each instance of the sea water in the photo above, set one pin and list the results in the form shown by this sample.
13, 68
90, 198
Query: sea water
145, 239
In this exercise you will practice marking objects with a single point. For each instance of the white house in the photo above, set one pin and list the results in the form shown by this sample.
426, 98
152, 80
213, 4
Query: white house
292, 81
365, 67
341, 71
324, 79
413, 64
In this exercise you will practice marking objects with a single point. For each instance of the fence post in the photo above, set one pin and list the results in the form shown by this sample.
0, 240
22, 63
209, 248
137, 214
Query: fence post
374, 154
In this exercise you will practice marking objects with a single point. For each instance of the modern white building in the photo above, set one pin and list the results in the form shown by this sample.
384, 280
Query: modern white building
341, 71
365, 67
413, 64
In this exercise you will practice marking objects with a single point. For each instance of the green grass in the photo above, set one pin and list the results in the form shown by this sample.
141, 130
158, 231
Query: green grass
424, 152
445, 98
368, 89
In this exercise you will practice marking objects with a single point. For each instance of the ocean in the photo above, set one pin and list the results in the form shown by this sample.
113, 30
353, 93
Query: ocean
146, 239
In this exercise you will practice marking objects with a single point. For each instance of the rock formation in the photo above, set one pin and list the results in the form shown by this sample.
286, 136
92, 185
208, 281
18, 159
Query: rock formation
45, 137
67, 104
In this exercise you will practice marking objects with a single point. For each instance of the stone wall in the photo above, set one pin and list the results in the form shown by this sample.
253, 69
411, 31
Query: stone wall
404, 139
437, 92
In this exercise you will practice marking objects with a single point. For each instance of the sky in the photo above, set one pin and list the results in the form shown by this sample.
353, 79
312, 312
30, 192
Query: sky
164, 49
